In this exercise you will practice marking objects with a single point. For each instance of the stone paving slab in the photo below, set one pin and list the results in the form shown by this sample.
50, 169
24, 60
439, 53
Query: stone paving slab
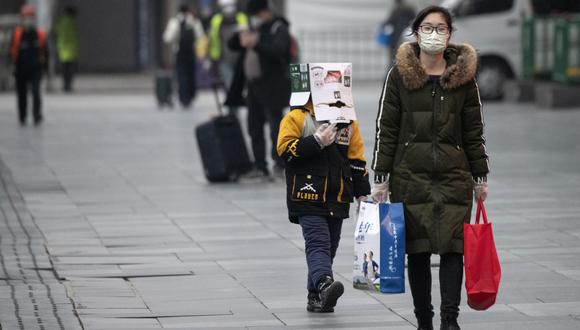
99, 323
204, 322
549, 309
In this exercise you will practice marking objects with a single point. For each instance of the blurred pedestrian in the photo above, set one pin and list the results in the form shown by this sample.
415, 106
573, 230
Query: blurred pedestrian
184, 32
325, 169
29, 55
223, 26
67, 44
430, 154
266, 57
398, 20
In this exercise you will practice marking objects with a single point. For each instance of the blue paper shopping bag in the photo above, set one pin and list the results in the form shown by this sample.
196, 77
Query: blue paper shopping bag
392, 265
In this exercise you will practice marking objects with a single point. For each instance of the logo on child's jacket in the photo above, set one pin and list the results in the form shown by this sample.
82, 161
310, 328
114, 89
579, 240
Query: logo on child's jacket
308, 186
308, 192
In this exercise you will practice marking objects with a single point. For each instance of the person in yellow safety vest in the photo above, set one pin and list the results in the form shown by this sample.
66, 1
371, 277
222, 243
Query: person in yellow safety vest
223, 26
67, 44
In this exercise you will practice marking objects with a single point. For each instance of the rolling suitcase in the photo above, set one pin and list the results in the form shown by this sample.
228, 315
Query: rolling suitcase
222, 147
163, 88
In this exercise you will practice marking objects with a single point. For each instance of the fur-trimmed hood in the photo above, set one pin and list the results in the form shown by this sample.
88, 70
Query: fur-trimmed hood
461, 66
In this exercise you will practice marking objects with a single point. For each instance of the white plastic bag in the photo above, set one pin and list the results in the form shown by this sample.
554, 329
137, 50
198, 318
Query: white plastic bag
367, 250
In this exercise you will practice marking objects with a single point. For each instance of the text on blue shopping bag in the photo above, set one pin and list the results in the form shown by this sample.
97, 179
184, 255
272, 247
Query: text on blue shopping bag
392, 265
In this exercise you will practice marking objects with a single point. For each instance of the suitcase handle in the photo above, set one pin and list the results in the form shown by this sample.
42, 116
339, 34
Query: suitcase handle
216, 85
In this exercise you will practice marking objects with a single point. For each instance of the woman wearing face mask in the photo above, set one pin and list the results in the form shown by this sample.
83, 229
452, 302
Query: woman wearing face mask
430, 152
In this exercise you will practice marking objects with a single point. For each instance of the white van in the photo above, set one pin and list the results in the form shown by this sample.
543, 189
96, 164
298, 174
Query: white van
494, 28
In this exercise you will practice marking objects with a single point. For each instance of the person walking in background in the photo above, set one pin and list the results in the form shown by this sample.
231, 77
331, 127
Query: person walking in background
29, 55
67, 44
184, 32
223, 26
266, 58
430, 154
398, 20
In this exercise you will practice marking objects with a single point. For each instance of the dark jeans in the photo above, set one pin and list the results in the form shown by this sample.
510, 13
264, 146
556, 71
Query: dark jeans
450, 279
321, 238
187, 87
23, 83
68, 71
260, 113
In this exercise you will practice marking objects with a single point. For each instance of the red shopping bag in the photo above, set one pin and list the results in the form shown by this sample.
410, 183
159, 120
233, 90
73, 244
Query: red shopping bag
482, 269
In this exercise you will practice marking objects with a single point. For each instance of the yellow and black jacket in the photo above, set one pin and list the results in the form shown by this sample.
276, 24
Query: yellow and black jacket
321, 181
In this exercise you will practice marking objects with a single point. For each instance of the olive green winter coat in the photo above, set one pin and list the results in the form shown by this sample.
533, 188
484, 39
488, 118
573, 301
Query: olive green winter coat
430, 141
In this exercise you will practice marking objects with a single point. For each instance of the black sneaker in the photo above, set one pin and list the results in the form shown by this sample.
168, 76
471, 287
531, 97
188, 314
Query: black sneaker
330, 290
314, 305
255, 175
449, 323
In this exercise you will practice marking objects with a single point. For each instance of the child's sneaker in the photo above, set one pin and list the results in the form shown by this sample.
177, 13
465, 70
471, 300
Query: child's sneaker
314, 305
330, 290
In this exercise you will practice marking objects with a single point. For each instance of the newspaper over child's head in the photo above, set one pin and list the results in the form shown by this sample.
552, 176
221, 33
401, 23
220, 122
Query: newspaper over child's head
329, 85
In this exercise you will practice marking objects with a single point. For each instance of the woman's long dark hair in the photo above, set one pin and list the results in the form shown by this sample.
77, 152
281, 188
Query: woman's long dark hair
430, 10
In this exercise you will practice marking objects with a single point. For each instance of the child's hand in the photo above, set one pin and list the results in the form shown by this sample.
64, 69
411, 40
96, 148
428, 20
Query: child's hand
362, 198
326, 134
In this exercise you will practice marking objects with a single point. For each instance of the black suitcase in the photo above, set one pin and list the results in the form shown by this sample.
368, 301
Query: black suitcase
222, 147
163, 88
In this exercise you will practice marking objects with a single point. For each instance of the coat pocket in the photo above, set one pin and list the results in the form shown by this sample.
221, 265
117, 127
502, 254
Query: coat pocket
346, 189
309, 187
402, 150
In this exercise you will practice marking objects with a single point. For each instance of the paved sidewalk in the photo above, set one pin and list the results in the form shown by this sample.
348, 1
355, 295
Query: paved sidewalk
138, 239
31, 297
106, 84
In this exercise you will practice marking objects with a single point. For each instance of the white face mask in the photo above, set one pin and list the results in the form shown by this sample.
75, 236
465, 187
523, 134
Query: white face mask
433, 43
256, 21
229, 10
